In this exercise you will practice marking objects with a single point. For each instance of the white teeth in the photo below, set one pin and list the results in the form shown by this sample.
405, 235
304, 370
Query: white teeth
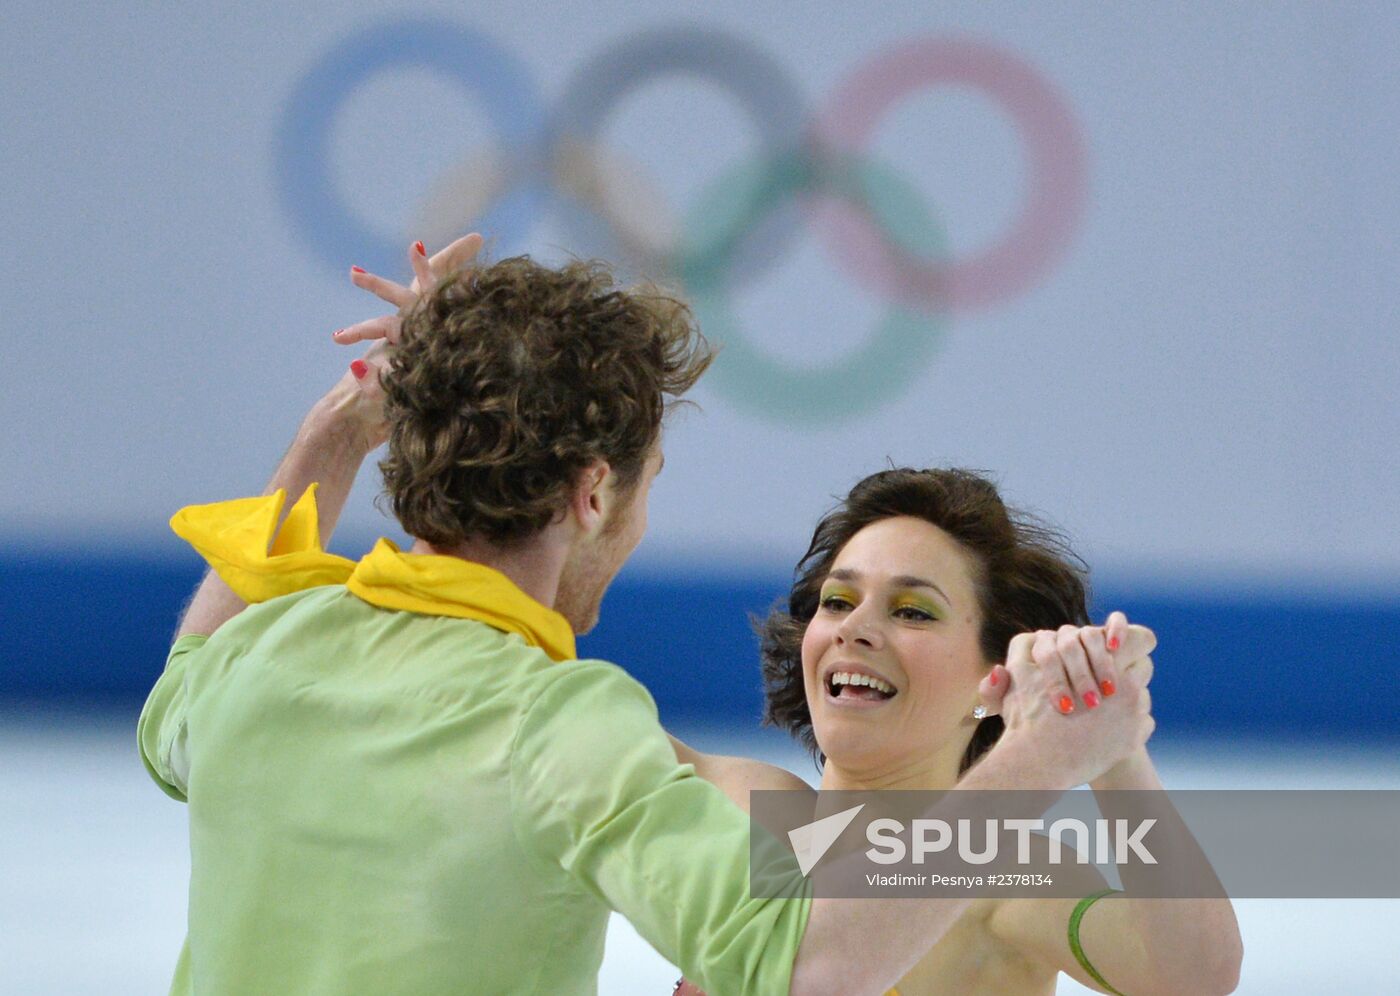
851, 678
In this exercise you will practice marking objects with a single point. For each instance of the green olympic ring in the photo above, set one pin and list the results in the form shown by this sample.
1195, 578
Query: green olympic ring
890, 358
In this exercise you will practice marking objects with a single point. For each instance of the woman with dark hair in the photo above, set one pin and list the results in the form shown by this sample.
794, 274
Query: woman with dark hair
1016, 576
903, 607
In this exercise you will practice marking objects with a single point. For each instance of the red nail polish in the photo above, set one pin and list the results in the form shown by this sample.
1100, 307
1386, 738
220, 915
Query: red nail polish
1091, 699
1108, 687
1113, 643
993, 680
1066, 704
359, 368
419, 247
357, 269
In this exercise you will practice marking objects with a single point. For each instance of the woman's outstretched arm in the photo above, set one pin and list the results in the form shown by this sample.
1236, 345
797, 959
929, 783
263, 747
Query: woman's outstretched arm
736, 777
1139, 946
1136, 945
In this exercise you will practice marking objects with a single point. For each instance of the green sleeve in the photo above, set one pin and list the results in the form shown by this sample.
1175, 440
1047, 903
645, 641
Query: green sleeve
597, 791
161, 729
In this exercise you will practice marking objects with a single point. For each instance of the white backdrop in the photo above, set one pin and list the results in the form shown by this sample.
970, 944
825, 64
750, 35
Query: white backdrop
1201, 379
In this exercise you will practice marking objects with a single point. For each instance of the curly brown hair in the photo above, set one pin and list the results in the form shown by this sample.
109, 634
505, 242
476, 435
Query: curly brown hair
510, 379
1026, 578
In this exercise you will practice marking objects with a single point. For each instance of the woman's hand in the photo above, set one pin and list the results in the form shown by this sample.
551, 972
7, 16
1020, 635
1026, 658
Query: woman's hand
1089, 657
427, 273
1049, 674
356, 403
353, 409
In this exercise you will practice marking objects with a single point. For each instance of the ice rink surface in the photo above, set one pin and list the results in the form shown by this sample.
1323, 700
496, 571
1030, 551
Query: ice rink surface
94, 864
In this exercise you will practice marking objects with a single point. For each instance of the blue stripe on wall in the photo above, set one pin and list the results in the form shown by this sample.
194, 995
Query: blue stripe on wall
95, 632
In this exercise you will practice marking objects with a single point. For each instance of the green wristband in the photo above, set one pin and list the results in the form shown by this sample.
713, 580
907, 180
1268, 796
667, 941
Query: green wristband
1077, 948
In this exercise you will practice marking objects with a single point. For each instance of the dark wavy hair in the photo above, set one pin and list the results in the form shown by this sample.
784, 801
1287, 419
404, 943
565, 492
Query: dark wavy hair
1025, 575
510, 379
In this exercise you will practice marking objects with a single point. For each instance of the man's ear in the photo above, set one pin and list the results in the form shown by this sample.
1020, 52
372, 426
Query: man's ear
590, 501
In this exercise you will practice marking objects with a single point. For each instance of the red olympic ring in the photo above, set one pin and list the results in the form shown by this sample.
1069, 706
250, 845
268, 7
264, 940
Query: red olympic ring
1057, 188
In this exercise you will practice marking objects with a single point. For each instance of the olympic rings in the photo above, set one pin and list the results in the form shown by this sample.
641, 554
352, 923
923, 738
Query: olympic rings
867, 377
305, 182
730, 63
553, 161
1053, 142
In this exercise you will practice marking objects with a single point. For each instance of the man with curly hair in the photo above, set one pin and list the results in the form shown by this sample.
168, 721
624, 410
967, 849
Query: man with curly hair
400, 777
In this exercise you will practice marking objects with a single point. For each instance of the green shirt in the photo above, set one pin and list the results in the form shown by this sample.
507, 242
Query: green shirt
392, 802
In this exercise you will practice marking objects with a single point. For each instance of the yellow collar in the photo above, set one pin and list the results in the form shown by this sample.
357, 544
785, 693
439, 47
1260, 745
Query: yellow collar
240, 540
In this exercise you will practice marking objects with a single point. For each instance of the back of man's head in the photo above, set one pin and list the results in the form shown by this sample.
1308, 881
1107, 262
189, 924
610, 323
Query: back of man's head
510, 379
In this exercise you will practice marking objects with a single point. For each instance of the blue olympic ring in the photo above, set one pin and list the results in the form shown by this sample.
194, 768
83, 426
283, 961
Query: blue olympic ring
304, 180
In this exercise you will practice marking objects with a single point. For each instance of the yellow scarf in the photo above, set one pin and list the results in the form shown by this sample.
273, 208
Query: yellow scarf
241, 542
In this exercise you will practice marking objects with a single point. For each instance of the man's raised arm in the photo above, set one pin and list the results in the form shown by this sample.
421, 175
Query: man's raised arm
331, 444
342, 428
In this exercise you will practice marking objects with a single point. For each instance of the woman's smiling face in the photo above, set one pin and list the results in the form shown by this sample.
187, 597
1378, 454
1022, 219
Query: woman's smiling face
892, 658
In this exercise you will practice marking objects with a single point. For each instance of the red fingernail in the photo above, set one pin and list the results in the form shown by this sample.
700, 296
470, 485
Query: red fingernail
1066, 704
1091, 699
419, 247
993, 680
359, 368
1108, 687
357, 269
1113, 643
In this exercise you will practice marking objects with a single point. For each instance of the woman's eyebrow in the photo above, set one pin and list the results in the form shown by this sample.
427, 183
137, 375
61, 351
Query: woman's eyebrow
900, 581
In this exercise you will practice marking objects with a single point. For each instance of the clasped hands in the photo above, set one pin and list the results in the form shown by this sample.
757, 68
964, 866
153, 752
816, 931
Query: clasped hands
1080, 691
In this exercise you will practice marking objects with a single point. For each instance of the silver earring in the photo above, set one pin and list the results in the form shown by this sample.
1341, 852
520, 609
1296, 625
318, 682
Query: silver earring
980, 712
